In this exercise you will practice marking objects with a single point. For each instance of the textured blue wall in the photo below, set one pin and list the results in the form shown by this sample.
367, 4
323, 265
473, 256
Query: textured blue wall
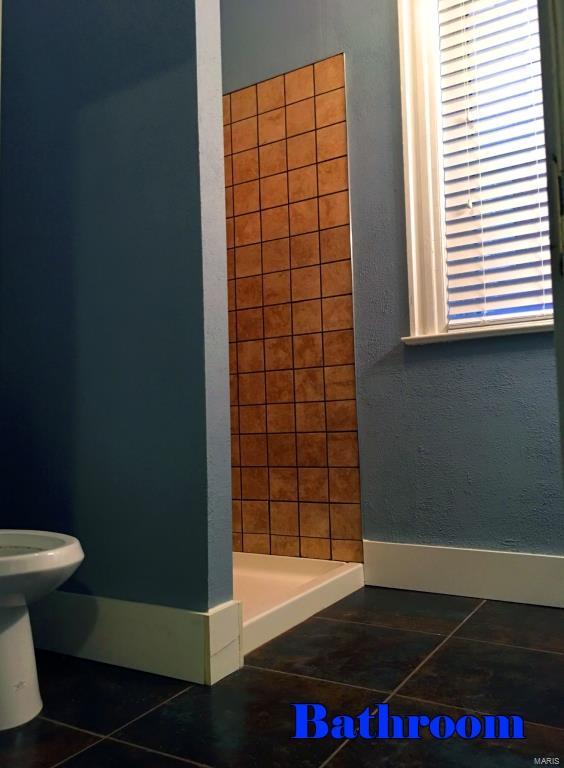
459, 441
102, 306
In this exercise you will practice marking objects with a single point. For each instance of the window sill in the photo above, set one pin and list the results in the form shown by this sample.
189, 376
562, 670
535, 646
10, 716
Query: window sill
477, 331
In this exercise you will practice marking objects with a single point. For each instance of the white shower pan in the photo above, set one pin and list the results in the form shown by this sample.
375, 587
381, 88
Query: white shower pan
279, 592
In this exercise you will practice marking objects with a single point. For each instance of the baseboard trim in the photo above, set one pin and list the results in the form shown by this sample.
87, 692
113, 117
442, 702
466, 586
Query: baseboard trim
518, 577
200, 647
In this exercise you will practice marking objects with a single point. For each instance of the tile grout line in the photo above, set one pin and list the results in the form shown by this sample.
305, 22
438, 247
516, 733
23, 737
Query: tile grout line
476, 711
378, 626
315, 679
187, 760
409, 676
509, 645
101, 737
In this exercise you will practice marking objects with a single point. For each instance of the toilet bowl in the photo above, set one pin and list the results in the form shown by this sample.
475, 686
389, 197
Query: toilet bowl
32, 564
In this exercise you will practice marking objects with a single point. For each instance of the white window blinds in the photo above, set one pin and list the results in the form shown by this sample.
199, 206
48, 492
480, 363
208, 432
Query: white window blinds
495, 200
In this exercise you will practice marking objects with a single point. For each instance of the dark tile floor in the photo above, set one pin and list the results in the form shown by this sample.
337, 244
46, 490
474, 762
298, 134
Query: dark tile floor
422, 653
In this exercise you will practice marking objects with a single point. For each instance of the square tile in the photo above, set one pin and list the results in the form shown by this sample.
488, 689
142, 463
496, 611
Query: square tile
331, 142
284, 518
228, 170
280, 417
530, 626
330, 108
283, 483
312, 451
244, 134
251, 388
276, 255
337, 311
280, 386
310, 417
248, 260
308, 384
245, 166
252, 419
307, 316
234, 419
282, 451
330, 73
244, 103
274, 190
305, 249
333, 210
228, 202
278, 353
227, 139
313, 484
346, 522
271, 94
233, 358
302, 183
348, 551
258, 543
278, 320
271, 126
230, 263
397, 608
301, 150
316, 548
275, 223
300, 117
374, 657
254, 483
97, 697
237, 541
306, 283
344, 484
188, 725
273, 158
340, 382
246, 197
230, 295
333, 176
250, 356
236, 482
247, 229
249, 324
230, 232
286, 546
341, 415
494, 678
40, 744
314, 520
232, 325
342, 448
299, 84
226, 109
338, 347
236, 518
308, 350
276, 287
233, 389
253, 453
304, 217
255, 516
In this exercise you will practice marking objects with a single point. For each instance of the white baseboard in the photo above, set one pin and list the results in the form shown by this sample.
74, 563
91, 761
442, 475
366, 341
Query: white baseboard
517, 577
188, 645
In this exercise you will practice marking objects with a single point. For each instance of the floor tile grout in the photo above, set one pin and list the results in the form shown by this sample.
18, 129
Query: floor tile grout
317, 679
409, 676
151, 709
158, 752
476, 711
72, 727
75, 754
379, 626
508, 645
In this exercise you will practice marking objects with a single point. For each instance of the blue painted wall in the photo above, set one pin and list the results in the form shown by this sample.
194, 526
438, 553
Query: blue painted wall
459, 441
102, 307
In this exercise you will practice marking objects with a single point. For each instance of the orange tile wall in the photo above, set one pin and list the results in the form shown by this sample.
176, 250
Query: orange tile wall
293, 415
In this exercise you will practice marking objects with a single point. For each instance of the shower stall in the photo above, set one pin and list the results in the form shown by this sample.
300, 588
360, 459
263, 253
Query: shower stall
297, 536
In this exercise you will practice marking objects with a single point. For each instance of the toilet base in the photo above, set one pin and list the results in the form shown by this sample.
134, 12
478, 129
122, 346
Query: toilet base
20, 700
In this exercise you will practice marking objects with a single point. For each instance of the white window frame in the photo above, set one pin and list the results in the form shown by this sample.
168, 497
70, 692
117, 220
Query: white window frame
423, 174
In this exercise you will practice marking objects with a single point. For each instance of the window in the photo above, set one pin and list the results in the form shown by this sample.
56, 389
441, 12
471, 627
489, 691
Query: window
475, 168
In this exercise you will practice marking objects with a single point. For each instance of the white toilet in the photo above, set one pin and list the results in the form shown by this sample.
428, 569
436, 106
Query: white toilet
32, 564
